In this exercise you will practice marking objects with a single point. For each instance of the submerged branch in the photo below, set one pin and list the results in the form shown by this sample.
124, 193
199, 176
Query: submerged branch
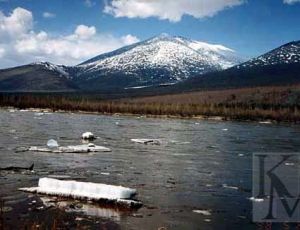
14, 168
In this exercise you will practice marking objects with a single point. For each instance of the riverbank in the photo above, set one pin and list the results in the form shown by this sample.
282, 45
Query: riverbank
215, 110
263, 119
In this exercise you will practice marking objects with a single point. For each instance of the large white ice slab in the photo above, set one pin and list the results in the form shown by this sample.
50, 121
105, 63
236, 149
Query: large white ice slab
85, 148
85, 190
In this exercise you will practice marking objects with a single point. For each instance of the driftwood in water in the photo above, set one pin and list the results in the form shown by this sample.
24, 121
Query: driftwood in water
13, 168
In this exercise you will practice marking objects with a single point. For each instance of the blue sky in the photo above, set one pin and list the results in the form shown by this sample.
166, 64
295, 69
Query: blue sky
251, 27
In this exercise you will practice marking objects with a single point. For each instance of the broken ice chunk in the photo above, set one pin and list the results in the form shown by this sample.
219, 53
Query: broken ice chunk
265, 122
88, 136
203, 212
52, 143
147, 141
254, 199
39, 114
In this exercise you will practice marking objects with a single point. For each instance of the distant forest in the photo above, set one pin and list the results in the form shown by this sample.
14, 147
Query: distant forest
260, 103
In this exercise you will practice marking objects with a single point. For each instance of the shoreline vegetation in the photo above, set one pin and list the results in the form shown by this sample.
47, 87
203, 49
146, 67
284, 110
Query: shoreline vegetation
279, 104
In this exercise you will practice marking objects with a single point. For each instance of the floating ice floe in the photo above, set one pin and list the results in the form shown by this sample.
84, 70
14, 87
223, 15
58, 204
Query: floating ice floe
265, 122
147, 141
203, 212
38, 114
254, 199
52, 143
179, 142
229, 187
85, 148
105, 173
103, 193
88, 136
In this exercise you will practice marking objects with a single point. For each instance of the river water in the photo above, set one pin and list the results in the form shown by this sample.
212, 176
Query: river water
200, 165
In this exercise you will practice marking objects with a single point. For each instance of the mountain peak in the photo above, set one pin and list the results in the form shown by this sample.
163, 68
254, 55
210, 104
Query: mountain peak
41, 63
164, 35
159, 60
161, 37
193, 44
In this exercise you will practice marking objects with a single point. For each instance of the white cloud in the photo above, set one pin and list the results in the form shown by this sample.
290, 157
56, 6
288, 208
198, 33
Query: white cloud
21, 44
85, 32
290, 2
19, 22
49, 15
129, 39
172, 10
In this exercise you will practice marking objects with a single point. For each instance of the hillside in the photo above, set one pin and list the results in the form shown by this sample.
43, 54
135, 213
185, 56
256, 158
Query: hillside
280, 66
36, 77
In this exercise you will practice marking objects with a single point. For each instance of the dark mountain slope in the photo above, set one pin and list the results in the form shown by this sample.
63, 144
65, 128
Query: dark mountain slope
280, 66
35, 77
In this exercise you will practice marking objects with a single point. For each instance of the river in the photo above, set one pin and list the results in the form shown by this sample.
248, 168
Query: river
199, 165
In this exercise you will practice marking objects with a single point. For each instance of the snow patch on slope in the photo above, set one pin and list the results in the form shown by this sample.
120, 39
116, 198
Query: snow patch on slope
286, 54
61, 69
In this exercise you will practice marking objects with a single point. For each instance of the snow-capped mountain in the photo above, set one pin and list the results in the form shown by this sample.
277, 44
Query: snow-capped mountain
279, 67
159, 60
286, 54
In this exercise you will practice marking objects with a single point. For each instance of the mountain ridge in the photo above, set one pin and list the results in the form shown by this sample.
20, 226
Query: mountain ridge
275, 67
170, 57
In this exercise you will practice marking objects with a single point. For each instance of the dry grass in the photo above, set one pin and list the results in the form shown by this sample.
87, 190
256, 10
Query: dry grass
267, 95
